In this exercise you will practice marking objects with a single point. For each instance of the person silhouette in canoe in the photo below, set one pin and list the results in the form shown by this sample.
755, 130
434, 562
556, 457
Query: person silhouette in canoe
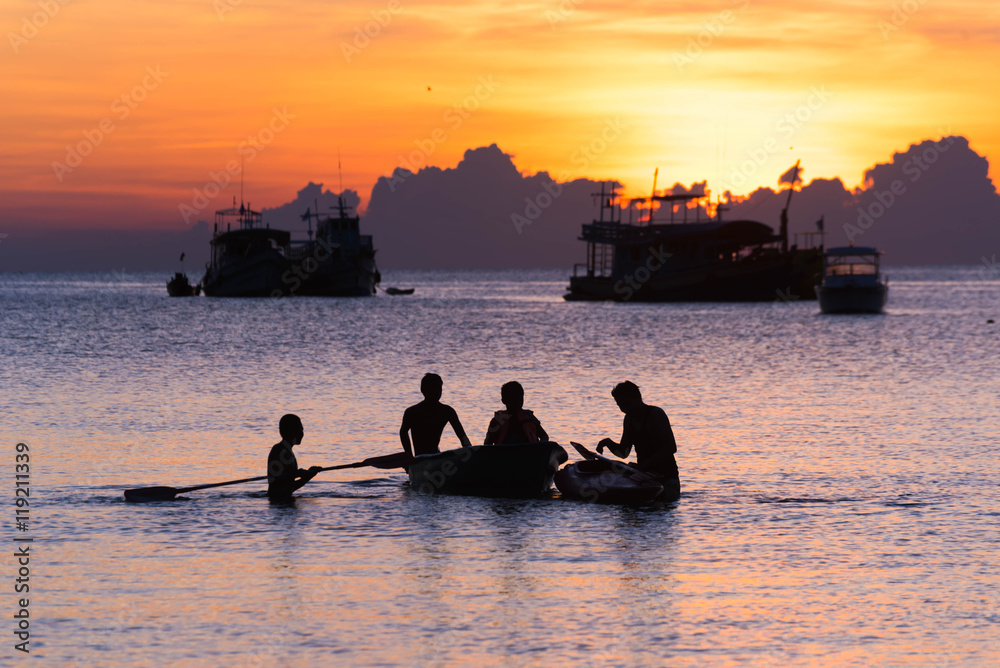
647, 428
283, 473
515, 424
425, 422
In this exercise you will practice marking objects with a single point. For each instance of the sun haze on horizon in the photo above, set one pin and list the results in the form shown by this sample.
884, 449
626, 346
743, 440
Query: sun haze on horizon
151, 115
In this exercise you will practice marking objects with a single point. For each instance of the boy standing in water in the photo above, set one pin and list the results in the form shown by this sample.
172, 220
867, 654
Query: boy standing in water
283, 473
426, 421
514, 425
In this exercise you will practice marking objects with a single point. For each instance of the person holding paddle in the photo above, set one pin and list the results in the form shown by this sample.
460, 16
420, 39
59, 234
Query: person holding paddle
648, 429
283, 473
426, 421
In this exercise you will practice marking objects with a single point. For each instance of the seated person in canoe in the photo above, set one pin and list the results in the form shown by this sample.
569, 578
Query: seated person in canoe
425, 422
283, 473
514, 425
648, 429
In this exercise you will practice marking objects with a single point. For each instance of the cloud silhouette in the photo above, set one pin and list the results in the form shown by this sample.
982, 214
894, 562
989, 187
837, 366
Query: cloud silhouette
482, 213
933, 203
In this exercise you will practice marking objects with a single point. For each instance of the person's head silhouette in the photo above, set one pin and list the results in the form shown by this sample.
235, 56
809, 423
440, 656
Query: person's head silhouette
431, 386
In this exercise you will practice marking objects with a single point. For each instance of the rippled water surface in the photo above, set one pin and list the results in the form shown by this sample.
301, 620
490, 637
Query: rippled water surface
840, 488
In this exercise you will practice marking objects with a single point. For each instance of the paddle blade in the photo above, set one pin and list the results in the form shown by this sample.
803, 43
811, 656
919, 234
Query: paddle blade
143, 494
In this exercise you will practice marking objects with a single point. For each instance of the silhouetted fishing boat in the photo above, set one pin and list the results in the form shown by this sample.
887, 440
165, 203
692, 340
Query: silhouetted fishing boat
250, 261
399, 291
700, 260
852, 282
180, 286
339, 262
519, 470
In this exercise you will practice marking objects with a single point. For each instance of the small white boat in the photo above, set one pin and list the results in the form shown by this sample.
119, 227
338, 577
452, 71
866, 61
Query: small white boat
852, 282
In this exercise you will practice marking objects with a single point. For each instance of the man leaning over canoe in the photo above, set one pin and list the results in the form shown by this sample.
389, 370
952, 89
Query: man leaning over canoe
647, 428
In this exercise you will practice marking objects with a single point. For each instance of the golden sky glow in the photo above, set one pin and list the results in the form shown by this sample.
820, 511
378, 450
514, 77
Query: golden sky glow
579, 89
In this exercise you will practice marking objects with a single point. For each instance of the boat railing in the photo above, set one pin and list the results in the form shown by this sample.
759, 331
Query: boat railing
808, 240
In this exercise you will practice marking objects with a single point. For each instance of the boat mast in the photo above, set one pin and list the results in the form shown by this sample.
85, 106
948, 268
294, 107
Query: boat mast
652, 196
784, 212
340, 196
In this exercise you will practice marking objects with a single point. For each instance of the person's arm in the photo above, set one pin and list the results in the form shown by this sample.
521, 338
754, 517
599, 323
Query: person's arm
542, 436
459, 431
404, 433
622, 449
492, 431
304, 476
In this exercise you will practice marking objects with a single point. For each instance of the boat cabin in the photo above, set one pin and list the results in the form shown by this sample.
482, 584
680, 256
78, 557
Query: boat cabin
616, 249
248, 239
851, 264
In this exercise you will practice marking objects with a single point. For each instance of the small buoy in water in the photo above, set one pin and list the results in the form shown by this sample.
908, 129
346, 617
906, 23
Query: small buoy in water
990, 321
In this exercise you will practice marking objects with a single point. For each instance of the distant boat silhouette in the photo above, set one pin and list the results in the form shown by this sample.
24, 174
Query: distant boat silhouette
254, 260
340, 261
711, 260
250, 261
180, 286
852, 282
399, 291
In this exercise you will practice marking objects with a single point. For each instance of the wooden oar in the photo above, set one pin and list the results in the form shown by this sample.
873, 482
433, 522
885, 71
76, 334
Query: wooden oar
394, 461
587, 454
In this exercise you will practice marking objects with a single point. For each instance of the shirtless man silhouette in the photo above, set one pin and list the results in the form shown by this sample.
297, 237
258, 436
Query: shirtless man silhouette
426, 421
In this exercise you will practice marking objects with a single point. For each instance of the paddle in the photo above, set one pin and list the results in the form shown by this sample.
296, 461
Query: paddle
394, 461
587, 454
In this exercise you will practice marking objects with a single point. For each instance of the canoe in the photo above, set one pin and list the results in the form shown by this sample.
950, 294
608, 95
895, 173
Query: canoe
604, 481
518, 470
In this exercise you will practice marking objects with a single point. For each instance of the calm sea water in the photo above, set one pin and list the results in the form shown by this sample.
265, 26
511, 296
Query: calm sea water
840, 489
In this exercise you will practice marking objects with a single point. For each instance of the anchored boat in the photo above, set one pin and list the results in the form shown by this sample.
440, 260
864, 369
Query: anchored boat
249, 261
339, 262
852, 282
254, 260
700, 260
519, 470
180, 286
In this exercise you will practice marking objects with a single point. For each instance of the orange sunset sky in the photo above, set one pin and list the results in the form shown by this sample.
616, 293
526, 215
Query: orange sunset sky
159, 95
